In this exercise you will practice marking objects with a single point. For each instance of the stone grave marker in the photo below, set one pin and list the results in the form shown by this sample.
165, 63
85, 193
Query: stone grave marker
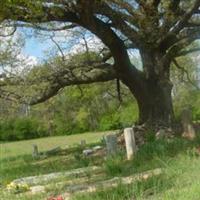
186, 120
111, 144
35, 151
130, 143
83, 143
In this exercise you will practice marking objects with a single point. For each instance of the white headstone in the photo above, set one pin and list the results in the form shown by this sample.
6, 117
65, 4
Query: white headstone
130, 142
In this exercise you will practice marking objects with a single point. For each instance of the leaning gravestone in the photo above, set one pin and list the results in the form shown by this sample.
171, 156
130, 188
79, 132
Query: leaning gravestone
35, 151
130, 143
111, 144
186, 120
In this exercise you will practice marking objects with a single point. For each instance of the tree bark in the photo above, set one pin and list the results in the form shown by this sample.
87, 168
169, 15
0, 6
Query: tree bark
155, 105
152, 90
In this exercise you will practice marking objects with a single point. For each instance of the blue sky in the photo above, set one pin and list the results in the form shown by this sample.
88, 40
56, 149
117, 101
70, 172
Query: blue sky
35, 47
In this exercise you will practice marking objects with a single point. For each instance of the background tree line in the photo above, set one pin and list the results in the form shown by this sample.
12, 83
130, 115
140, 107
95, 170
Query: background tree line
86, 108
74, 110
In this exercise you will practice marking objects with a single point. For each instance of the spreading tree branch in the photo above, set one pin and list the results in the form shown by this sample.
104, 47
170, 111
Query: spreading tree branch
81, 75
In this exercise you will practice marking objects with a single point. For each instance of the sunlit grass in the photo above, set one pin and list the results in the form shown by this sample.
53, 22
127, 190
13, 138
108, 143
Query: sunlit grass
12, 149
180, 179
16, 157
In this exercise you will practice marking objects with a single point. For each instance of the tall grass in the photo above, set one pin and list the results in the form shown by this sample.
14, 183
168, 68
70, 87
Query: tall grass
180, 179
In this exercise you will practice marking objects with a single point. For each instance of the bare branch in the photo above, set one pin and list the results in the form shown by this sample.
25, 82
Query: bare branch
185, 18
39, 27
174, 23
119, 21
58, 46
9, 34
126, 6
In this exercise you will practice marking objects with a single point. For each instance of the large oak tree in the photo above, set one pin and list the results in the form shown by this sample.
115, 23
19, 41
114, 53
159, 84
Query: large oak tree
160, 29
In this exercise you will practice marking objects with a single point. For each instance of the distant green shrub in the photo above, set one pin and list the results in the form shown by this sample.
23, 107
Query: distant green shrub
110, 122
6, 130
128, 114
21, 129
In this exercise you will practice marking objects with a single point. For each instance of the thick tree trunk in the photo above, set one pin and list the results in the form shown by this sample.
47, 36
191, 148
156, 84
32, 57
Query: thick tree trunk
155, 105
152, 90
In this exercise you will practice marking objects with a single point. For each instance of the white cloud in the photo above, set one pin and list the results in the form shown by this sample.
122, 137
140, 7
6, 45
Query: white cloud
28, 60
16, 61
93, 44
74, 41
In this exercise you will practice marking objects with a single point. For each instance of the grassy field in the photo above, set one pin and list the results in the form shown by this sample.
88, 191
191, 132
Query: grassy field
16, 157
177, 157
20, 148
180, 179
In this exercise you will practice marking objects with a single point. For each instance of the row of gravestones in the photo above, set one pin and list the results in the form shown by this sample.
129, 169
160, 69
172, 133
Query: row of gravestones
36, 154
111, 145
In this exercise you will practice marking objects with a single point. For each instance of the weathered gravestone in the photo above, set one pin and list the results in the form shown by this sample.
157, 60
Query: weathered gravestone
111, 144
35, 153
83, 143
186, 120
130, 143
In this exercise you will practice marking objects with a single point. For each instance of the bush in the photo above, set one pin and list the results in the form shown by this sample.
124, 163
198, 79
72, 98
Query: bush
110, 122
6, 130
21, 129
